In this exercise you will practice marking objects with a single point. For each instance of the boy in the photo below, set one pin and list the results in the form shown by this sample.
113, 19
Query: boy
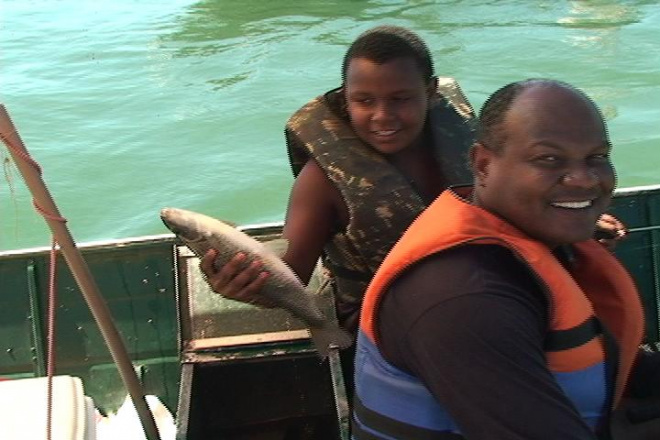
368, 157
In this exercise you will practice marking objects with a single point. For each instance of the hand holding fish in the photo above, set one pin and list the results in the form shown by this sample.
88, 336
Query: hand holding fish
233, 282
219, 244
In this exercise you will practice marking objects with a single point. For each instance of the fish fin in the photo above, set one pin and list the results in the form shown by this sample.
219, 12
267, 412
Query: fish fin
227, 222
278, 246
329, 335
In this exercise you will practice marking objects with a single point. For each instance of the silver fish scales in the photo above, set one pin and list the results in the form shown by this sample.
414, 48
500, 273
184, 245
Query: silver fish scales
283, 287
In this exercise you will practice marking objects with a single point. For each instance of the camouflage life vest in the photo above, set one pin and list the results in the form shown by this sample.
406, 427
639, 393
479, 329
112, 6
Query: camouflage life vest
381, 201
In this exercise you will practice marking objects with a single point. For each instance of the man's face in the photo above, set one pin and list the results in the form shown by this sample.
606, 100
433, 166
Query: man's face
387, 103
553, 177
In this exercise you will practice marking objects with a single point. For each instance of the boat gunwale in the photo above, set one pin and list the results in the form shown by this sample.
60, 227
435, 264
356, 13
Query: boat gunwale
96, 245
255, 229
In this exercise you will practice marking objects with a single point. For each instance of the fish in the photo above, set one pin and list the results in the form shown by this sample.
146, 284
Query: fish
283, 287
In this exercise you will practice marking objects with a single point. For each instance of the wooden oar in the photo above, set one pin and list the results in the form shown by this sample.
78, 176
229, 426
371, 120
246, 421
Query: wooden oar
44, 203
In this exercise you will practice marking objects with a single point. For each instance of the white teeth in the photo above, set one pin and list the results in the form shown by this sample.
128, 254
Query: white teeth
385, 132
572, 205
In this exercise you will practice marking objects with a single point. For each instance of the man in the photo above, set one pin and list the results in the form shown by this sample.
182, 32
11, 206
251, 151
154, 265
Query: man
496, 316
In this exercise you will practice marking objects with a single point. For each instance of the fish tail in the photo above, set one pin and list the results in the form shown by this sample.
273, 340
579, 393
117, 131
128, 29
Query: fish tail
329, 335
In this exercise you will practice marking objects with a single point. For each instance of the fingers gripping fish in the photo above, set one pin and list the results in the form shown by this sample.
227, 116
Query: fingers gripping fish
283, 287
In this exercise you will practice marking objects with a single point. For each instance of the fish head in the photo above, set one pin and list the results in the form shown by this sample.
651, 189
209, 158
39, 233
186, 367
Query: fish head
184, 224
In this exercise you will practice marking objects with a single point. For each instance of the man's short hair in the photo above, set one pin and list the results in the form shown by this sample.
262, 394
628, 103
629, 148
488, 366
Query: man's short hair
385, 43
491, 117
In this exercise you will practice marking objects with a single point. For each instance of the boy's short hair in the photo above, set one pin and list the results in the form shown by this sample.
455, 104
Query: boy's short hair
385, 43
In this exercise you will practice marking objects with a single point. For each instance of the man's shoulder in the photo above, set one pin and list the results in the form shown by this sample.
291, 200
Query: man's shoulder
467, 258
464, 270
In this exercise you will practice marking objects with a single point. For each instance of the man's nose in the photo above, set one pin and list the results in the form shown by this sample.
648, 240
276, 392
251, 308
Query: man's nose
582, 176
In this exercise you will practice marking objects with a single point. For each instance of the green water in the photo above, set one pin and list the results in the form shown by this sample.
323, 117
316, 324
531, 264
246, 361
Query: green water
130, 106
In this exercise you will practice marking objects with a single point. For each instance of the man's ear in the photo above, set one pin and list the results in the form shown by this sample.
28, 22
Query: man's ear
431, 87
480, 160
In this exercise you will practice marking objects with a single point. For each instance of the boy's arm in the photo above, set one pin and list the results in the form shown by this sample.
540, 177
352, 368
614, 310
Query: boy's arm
316, 209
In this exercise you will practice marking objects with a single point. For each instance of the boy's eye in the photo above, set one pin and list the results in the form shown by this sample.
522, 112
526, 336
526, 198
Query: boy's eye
363, 100
402, 99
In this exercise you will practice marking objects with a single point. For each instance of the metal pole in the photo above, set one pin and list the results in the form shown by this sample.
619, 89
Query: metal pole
43, 200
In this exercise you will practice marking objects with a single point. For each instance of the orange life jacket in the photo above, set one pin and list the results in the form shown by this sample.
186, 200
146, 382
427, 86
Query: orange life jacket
598, 287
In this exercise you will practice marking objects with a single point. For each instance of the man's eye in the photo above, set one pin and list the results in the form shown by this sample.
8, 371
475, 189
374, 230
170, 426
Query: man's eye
603, 157
547, 159
550, 161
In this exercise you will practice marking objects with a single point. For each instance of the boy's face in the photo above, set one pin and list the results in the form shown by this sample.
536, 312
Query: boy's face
387, 103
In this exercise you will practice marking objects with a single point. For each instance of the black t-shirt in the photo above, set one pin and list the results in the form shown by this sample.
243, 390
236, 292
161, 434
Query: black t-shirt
470, 323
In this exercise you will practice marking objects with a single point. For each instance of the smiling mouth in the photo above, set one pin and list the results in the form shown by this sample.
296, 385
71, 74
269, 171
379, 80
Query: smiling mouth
573, 205
385, 133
